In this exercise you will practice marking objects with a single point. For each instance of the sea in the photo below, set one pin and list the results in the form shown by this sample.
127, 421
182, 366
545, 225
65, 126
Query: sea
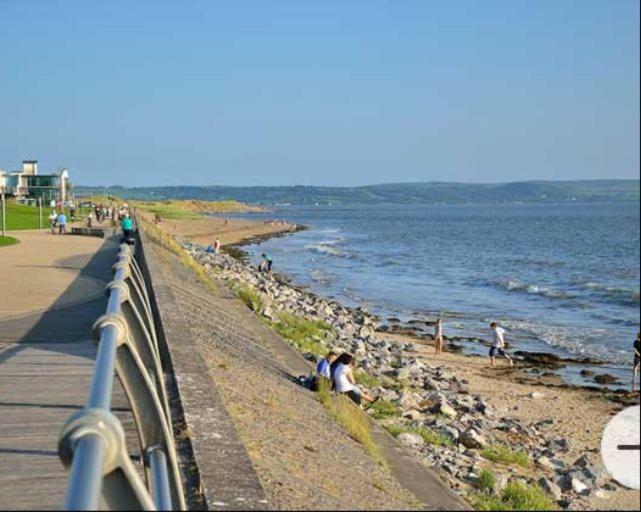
560, 278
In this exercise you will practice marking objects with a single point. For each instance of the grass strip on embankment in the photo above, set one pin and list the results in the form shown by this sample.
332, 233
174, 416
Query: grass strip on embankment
352, 419
7, 240
306, 336
159, 237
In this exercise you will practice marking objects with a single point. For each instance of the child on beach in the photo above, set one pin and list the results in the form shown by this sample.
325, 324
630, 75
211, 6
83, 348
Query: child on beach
265, 264
498, 345
636, 348
438, 336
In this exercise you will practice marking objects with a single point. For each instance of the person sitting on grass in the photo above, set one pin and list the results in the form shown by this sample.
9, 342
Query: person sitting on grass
323, 366
498, 345
344, 382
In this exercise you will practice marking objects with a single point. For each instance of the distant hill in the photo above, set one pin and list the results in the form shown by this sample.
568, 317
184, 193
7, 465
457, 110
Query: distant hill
399, 193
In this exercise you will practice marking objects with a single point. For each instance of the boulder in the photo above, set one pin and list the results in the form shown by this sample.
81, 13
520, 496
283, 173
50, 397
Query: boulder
446, 410
579, 487
451, 432
550, 487
409, 400
413, 414
560, 445
535, 395
411, 440
473, 440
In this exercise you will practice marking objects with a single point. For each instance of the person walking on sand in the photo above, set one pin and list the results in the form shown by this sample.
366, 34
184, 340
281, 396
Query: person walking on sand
498, 345
53, 219
636, 349
438, 336
62, 223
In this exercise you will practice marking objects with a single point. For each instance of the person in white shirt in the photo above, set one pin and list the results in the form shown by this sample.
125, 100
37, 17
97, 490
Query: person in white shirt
344, 382
53, 219
498, 345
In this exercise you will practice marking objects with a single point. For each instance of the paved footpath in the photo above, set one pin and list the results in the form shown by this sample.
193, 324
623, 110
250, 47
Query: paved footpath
51, 292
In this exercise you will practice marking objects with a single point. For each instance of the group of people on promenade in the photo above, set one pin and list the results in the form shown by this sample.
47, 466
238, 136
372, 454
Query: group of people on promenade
58, 220
337, 371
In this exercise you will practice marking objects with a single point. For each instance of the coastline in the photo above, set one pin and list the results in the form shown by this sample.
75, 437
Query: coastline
231, 232
468, 407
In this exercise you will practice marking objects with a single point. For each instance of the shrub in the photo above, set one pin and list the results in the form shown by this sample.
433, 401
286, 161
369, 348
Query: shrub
515, 496
165, 240
487, 481
382, 409
351, 418
304, 334
364, 378
249, 296
502, 454
429, 436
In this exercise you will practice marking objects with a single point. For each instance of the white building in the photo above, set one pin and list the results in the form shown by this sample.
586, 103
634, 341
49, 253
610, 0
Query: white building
28, 184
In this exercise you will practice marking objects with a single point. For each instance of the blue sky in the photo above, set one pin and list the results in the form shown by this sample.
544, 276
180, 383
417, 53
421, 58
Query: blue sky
321, 92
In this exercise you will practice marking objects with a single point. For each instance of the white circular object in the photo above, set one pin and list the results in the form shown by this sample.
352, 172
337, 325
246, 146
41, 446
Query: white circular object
620, 447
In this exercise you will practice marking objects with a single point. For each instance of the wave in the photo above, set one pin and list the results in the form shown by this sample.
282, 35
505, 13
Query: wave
513, 285
581, 341
324, 248
615, 294
320, 276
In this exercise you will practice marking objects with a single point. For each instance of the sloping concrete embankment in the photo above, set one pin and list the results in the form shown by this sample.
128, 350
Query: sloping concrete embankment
224, 476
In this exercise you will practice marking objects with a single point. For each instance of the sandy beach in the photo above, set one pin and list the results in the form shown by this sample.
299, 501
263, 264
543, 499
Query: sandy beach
580, 415
204, 230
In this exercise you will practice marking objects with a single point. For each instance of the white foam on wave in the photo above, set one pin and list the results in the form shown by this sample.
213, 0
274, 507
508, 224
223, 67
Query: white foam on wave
616, 294
596, 343
518, 286
324, 248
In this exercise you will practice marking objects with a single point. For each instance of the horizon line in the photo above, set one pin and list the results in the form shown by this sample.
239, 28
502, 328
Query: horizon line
590, 180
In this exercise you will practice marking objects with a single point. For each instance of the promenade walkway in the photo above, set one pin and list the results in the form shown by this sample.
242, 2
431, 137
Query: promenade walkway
51, 292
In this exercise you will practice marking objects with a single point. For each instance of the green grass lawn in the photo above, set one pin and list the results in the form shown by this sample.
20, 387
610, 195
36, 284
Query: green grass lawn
7, 240
21, 216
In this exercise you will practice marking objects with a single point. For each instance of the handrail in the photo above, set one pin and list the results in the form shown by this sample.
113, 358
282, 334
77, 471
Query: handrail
92, 442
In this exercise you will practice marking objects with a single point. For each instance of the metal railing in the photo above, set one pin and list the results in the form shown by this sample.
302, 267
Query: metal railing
92, 442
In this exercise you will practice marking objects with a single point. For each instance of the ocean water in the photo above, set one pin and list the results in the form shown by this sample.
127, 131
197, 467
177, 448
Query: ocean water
560, 278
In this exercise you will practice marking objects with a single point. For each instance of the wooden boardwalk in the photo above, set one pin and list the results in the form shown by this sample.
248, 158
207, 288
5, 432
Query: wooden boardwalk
51, 293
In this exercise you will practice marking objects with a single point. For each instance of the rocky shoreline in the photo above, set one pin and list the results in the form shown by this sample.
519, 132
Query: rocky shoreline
429, 408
